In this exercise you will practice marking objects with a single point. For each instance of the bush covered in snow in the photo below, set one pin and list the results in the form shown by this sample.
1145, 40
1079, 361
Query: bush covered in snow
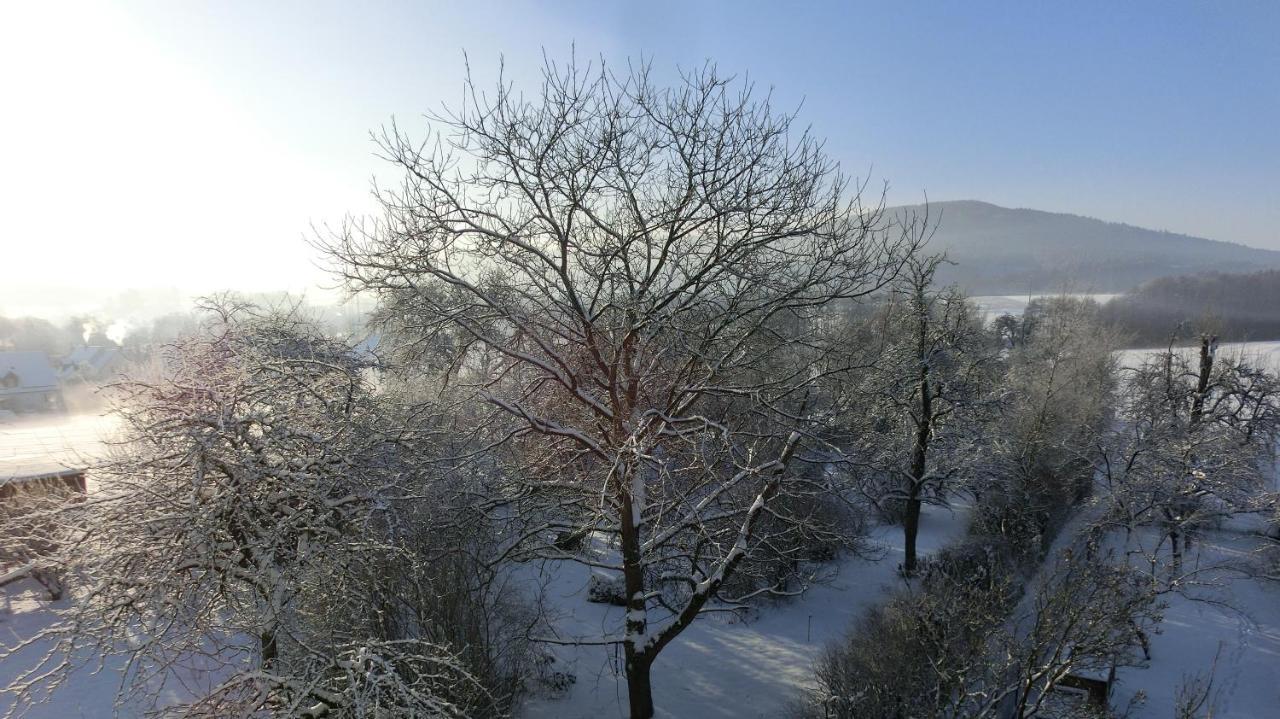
966, 642
604, 589
252, 523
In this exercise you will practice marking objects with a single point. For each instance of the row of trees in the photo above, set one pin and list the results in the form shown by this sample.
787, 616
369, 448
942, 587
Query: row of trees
1136, 460
138, 337
33, 334
1236, 307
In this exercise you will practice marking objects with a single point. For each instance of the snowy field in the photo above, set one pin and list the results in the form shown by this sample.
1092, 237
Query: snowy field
1260, 354
52, 442
727, 669
1238, 621
993, 306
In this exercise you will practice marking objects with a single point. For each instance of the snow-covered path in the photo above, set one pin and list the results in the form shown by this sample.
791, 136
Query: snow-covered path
722, 668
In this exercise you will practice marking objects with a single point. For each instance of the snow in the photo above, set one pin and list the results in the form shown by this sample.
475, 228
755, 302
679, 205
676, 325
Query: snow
1263, 354
726, 667
51, 443
1238, 619
722, 666
24, 611
1245, 629
30, 446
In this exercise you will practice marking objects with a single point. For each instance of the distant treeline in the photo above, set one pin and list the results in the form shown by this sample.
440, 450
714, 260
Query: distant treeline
1236, 307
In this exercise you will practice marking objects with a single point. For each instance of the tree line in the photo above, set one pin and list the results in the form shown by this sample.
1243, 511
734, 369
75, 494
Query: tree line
1235, 307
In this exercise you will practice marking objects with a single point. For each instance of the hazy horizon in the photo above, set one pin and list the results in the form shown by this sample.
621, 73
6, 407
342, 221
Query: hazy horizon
195, 147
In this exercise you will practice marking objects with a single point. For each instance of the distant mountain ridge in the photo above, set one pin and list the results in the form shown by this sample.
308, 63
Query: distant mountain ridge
998, 250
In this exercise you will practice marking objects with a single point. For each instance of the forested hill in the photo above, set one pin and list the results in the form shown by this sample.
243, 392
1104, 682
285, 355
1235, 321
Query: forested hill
998, 250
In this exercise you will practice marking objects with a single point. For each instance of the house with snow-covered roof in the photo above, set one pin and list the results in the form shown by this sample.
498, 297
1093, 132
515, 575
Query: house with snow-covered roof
91, 364
28, 383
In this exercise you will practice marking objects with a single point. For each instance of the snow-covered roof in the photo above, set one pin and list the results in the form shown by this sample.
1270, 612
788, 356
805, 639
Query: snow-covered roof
32, 370
92, 360
53, 443
39, 474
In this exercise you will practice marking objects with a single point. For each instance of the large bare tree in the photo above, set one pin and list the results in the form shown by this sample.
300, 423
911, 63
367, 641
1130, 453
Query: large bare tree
633, 279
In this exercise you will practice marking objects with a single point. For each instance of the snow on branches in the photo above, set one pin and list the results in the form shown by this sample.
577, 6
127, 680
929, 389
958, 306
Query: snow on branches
251, 475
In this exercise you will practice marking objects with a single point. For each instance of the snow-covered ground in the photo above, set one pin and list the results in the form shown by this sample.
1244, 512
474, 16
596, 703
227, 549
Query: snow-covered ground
1261, 354
52, 442
993, 306
721, 667
1238, 621
34, 445
90, 693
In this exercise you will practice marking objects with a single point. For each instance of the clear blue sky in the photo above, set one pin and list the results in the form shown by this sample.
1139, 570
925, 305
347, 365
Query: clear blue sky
158, 143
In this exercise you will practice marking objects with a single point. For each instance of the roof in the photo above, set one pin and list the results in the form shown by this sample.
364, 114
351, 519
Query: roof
32, 369
92, 360
50, 473
53, 444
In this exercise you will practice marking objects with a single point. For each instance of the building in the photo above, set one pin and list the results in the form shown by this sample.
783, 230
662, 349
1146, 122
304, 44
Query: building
24, 536
28, 383
91, 364
58, 482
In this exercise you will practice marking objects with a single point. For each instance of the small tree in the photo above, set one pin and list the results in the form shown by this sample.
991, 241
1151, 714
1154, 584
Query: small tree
927, 383
1196, 441
252, 474
634, 279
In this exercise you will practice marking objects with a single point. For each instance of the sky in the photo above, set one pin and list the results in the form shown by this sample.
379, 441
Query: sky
197, 145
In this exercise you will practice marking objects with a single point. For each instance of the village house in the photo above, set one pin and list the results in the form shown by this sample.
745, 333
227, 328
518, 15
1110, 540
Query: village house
91, 364
28, 383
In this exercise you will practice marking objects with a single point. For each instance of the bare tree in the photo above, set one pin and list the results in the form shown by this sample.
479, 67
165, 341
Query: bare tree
633, 278
1194, 447
918, 407
252, 477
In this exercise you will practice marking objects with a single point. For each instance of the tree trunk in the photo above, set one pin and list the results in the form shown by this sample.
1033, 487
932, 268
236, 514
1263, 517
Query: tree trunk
1185, 508
638, 658
1208, 346
911, 528
919, 456
1173, 535
269, 647
639, 689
